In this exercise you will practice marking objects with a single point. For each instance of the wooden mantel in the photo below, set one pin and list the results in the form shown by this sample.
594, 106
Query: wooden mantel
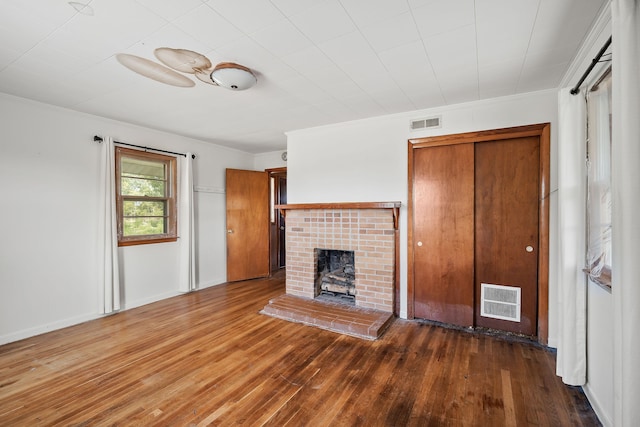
346, 205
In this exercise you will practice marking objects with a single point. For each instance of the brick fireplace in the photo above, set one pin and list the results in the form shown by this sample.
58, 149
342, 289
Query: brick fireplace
367, 229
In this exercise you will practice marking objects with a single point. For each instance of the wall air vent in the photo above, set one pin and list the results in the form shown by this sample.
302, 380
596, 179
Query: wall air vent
500, 302
426, 123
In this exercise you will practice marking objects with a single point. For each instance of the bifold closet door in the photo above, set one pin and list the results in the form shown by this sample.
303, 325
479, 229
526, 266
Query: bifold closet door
506, 234
443, 192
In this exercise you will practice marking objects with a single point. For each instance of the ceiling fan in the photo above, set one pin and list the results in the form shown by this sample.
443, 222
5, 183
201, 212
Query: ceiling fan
225, 74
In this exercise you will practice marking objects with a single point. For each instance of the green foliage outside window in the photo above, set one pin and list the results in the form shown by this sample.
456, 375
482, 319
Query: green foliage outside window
143, 185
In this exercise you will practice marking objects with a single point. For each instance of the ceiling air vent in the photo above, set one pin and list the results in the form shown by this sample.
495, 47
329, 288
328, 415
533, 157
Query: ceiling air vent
427, 123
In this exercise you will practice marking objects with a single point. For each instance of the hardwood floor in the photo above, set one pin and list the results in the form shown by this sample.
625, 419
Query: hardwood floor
209, 357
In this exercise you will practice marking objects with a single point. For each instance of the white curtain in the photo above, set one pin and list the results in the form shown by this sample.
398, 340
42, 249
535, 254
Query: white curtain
186, 225
109, 275
625, 161
571, 361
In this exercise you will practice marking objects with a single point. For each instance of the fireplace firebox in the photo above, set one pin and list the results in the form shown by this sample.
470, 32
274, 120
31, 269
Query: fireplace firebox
335, 275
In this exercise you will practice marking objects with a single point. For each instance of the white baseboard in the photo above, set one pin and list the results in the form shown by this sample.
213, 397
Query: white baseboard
49, 327
145, 301
597, 407
214, 282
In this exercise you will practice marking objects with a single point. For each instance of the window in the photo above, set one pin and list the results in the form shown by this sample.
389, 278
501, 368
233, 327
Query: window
146, 197
599, 181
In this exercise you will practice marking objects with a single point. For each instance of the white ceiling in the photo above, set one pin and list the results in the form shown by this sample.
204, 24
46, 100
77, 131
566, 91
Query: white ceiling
317, 61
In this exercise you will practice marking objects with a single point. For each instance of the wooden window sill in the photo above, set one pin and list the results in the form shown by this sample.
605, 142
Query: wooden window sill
146, 241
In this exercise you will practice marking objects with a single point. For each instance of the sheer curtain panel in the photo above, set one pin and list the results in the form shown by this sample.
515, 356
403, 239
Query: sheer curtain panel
571, 361
109, 274
186, 226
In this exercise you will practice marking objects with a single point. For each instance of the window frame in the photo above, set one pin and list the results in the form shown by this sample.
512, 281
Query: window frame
170, 163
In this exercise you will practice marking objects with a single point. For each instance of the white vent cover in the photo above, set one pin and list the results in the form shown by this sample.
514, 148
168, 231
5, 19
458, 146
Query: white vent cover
426, 123
500, 302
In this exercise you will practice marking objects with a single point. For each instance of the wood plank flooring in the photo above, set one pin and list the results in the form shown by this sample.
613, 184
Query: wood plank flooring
210, 358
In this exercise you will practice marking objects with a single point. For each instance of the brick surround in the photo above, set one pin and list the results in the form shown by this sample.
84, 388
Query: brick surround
370, 233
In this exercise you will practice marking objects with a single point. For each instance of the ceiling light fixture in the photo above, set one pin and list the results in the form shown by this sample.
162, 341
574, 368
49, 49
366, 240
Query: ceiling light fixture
233, 76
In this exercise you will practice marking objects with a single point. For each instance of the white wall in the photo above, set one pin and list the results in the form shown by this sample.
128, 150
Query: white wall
270, 160
49, 188
600, 315
366, 161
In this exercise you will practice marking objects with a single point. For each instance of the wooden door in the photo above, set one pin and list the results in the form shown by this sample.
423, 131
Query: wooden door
506, 230
247, 198
510, 247
277, 232
443, 194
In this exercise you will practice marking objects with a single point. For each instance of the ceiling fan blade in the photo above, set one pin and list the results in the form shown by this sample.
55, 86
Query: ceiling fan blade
205, 76
154, 71
183, 60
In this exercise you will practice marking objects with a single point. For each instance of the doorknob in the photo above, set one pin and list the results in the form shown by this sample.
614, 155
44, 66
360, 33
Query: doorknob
229, 231
281, 228
419, 243
529, 249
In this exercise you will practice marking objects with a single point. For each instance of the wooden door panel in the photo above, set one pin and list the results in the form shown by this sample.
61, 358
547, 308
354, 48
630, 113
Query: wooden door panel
506, 216
247, 199
443, 233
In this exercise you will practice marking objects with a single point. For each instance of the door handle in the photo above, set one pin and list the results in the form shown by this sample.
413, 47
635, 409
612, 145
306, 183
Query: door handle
229, 231
529, 248
282, 228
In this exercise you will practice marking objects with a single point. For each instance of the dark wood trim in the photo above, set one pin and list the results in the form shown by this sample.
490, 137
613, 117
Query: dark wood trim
543, 236
410, 225
541, 130
348, 205
171, 234
147, 241
396, 276
276, 170
480, 136
339, 205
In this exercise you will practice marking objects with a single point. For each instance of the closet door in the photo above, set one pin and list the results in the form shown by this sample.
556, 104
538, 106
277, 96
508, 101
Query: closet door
506, 234
443, 194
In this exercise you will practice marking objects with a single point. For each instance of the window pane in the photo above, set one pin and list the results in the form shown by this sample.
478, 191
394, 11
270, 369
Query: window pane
143, 226
144, 208
599, 181
143, 168
146, 197
142, 187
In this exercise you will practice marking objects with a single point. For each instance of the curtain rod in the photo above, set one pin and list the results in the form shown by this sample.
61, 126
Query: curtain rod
576, 88
100, 139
